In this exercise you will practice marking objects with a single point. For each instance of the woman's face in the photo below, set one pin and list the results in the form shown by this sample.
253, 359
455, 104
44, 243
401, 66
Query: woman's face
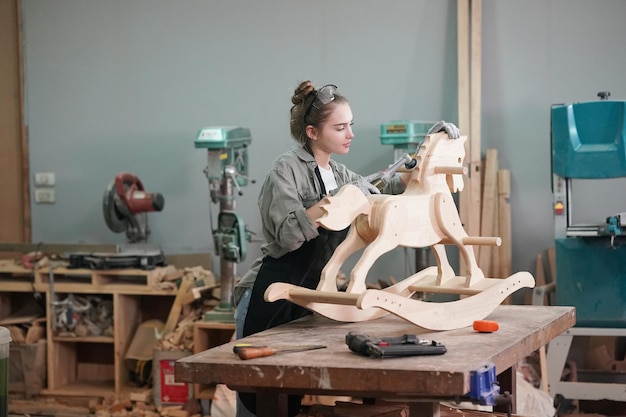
335, 135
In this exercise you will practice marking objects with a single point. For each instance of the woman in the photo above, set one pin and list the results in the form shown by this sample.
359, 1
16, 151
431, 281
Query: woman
297, 248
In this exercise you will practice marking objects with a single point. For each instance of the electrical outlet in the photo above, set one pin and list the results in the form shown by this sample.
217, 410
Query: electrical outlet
44, 195
44, 179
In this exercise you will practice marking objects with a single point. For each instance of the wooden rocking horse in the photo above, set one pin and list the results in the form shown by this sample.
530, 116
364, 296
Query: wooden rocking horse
424, 215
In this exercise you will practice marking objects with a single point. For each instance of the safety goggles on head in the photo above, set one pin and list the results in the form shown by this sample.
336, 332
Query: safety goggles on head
323, 96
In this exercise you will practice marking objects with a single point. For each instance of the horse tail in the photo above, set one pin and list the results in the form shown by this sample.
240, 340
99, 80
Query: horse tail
341, 209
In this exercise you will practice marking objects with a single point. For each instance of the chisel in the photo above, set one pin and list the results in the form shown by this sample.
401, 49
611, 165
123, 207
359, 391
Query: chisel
246, 352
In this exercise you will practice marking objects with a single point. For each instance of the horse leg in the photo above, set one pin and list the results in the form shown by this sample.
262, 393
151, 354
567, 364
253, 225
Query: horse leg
392, 225
450, 223
352, 243
444, 270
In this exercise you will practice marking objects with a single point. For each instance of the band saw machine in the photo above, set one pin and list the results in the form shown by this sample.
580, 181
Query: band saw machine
589, 152
589, 162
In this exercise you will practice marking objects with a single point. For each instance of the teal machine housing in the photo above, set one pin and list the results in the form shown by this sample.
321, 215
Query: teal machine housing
226, 171
404, 135
587, 141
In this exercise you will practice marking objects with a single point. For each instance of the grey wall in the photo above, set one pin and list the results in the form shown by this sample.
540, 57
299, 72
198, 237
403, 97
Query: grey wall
124, 86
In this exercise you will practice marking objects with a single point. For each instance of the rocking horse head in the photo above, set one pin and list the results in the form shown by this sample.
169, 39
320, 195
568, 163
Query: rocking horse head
439, 162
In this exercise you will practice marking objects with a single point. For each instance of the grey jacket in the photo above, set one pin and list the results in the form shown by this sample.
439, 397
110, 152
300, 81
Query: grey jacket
290, 188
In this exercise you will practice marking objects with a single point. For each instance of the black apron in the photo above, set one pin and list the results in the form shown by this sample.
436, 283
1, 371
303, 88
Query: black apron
302, 267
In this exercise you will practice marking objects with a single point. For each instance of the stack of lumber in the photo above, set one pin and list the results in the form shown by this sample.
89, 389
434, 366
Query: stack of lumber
495, 218
198, 293
484, 201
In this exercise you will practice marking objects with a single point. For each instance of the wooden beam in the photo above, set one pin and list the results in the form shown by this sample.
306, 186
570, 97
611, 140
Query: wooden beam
475, 114
488, 215
463, 82
14, 176
504, 227
469, 23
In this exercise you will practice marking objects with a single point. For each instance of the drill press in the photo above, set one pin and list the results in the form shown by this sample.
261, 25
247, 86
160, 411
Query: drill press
226, 171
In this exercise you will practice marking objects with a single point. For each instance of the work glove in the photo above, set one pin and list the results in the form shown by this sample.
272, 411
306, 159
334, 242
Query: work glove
443, 126
362, 184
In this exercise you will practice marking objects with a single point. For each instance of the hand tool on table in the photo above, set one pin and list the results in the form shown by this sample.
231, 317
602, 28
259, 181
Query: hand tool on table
247, 351
395, 346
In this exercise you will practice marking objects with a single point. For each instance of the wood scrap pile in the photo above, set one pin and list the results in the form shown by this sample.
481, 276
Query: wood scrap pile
27, 324
140, 404
349, 409
137, 404
38, 259
198, 292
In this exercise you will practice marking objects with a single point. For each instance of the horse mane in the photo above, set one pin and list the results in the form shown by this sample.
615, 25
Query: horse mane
440, 155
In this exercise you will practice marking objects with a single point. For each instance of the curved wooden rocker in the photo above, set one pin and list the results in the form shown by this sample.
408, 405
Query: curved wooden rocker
424, 215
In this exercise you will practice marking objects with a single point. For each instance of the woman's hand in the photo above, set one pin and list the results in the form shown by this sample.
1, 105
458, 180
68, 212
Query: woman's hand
443, 126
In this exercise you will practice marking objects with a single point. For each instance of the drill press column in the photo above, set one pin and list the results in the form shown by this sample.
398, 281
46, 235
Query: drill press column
226, 170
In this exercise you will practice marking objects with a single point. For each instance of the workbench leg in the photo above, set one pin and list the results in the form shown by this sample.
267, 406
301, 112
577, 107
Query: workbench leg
271, 404
424, 409
507, 382
558, 350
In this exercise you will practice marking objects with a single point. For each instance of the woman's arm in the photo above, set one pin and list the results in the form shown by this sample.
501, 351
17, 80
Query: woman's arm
283, 203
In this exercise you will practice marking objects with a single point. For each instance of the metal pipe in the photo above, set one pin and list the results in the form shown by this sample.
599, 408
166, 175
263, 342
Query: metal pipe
228, 269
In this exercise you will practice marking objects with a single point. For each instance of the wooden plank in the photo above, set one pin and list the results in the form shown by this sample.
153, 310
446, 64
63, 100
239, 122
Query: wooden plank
463, 85
504, 220
14, 178
494, 266
540, 279
475, 115
488, 214
552, 262
26, 208
174, 316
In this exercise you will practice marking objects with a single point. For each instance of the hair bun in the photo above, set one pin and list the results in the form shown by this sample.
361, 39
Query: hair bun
304, 89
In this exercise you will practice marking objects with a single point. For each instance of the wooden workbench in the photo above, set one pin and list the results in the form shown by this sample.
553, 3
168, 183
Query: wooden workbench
336, 370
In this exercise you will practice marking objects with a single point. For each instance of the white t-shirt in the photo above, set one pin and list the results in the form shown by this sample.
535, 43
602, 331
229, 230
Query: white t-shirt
329, 179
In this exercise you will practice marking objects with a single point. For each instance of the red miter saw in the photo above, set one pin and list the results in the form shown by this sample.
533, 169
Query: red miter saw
126, 204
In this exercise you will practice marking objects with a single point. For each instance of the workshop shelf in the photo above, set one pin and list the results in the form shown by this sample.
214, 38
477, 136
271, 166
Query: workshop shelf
14, 277
114, 280
207, 335
84, 365
88, 365
84, 339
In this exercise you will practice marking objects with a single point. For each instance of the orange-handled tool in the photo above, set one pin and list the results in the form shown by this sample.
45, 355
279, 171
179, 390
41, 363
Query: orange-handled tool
246, 352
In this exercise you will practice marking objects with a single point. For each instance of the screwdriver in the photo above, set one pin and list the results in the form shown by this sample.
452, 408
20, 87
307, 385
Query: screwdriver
245, 351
